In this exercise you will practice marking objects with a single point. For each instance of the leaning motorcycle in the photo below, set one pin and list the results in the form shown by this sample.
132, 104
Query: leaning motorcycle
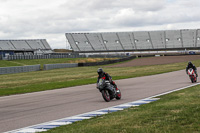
192, 75
107, 90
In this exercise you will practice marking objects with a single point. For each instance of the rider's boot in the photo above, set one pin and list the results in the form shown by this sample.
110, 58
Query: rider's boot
117, 90
115, 87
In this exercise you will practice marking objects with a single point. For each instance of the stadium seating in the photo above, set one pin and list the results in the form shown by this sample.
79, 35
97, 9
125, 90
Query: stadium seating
97, 43
35, 44
173, 39
134, 41
127, 40
24, 45
142, 40
46, 45
111, 41
20, 45
197, 42
6, 45
188, 37
157, 41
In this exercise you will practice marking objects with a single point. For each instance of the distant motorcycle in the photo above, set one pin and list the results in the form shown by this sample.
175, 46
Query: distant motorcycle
108, 90
192, 75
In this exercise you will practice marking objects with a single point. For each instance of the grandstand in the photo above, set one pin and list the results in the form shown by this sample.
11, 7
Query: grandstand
134, 41
24, 47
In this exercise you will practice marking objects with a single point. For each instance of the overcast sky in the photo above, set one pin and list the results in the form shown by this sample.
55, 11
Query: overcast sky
51, 19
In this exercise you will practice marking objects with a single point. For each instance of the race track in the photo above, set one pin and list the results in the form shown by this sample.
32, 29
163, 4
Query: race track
24, 110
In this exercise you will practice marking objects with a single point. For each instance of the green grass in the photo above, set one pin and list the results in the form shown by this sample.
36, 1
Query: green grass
177, 112
60, 78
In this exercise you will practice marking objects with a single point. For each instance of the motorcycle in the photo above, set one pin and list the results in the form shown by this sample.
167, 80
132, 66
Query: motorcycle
192, 75
107, 90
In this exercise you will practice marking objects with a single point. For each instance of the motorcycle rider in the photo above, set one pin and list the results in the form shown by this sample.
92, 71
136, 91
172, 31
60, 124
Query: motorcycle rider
101, 74
190, 65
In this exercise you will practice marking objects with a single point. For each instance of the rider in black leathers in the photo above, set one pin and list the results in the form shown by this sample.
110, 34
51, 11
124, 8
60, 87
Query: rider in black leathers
190, 65
101, 74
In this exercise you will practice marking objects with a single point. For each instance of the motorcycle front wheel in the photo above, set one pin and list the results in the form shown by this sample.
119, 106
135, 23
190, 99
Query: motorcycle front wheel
192, 79
118, 96
106, 95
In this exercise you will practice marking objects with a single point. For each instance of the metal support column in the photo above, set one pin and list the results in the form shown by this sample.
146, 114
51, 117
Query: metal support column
150, 40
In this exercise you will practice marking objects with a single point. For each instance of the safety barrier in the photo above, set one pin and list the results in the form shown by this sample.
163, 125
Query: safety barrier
57, 66
107, 56
19, 69
30, 57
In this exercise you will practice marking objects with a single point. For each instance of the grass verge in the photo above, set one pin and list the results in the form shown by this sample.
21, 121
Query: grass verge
177, 112
60, 78
4, 63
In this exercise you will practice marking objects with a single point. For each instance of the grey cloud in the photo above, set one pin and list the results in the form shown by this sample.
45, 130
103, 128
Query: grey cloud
39, 20
141, 5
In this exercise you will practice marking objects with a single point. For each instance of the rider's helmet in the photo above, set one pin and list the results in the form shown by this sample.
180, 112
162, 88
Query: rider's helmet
190, 63
100, 71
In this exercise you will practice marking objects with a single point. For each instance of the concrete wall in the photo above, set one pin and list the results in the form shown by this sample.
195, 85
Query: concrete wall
19, 69
57, 66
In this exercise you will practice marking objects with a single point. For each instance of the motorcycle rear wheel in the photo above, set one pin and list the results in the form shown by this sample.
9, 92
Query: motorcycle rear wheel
106, 95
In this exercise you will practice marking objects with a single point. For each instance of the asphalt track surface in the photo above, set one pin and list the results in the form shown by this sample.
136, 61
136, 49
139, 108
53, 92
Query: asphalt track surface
24, 110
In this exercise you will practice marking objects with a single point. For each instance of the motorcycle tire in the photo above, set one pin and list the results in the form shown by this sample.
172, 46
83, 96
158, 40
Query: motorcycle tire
118, 96
106, 95
192, 80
